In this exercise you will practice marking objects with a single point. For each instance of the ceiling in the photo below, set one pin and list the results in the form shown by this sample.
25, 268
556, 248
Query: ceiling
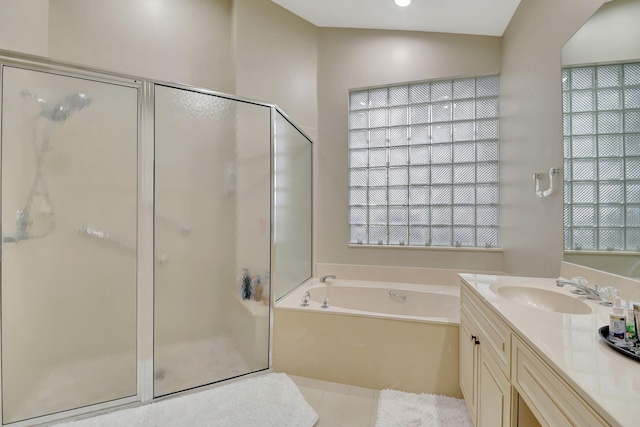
483, 17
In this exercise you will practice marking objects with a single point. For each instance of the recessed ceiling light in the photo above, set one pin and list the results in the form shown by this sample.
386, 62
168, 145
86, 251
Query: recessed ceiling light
403, 3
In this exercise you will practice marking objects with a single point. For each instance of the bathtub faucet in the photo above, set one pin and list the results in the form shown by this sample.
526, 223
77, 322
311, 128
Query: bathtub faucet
397, 295
305, 299
323, 279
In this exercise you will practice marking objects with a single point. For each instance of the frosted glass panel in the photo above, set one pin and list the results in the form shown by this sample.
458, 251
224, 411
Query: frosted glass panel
212, 201
69, 203
293, 205
447, 144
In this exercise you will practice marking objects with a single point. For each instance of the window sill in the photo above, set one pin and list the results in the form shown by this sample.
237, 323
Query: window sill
428, 248
611, 253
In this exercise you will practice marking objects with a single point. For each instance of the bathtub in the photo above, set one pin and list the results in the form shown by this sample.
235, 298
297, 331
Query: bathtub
402, 301
374, 334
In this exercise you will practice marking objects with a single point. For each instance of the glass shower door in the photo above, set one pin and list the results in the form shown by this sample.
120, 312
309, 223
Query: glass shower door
69, 203
212, 225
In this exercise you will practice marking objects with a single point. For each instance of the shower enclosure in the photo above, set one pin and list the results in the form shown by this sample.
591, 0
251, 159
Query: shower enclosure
147, 228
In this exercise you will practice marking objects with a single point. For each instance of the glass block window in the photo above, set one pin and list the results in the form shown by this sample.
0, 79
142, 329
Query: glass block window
423, 164
601, 106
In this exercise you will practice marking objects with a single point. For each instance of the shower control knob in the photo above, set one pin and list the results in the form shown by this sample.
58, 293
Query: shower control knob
305, 299
325, 302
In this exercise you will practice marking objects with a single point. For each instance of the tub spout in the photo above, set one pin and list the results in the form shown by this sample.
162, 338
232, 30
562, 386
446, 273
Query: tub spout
323, 279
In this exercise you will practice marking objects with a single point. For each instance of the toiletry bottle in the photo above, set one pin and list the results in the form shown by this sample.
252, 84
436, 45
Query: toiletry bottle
246, 284
631, 325
257, 288
266, 288
617, 321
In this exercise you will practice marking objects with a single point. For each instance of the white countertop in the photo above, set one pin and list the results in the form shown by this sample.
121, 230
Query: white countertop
570, 343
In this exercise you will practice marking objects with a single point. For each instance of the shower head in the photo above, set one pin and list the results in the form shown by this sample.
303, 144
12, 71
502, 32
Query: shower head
63, 109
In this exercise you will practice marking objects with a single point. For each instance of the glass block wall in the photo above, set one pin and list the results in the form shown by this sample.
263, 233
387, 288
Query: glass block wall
423, 164
601, 106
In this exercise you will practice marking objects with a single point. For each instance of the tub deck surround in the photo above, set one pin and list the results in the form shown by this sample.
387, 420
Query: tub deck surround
387, 273
371, 349
570, 345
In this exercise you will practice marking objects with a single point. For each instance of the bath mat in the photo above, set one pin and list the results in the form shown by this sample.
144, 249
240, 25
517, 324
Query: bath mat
272, 400
400, 409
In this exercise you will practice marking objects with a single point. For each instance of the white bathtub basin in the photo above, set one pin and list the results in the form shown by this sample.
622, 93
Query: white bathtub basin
390, 300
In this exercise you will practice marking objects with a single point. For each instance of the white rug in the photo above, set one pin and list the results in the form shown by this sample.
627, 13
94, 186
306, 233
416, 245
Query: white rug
400, 409
271, 400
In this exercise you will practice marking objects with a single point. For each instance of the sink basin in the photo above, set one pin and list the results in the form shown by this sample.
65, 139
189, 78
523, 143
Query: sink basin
542, 299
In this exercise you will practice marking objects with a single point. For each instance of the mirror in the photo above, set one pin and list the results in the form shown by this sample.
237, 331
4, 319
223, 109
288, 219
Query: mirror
601, 117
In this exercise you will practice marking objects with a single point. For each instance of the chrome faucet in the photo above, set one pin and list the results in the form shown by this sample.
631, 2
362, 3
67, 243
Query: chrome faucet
305, 299
323, 279
589, 292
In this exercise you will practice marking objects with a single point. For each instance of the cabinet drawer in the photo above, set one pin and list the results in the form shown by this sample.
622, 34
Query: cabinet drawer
548, 396
496, 335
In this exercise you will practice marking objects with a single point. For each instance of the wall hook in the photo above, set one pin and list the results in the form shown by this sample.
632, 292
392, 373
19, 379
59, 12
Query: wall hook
538, 175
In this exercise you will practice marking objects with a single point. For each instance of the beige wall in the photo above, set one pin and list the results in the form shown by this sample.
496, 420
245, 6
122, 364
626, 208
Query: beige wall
24, 26
173, 40
349, 59
276, 59
531, 131
612, 34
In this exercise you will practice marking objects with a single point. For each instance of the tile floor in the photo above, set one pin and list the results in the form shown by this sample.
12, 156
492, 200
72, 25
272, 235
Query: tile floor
339, 405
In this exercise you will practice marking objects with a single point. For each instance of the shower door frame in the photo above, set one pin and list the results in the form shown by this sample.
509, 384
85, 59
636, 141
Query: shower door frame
38, 64
145, 226
150, 104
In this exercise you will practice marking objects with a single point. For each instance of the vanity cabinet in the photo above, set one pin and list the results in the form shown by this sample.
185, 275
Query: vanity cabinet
484, 364
499, 372
552, 401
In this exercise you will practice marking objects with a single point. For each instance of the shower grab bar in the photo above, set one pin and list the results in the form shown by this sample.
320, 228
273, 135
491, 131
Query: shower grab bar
94, 233
397, 295
184, 229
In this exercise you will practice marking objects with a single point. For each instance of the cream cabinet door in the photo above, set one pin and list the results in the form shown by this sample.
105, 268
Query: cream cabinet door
468, 364
494, 393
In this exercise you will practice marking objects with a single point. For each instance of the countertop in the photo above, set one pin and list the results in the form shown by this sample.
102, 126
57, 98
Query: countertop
571, 345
